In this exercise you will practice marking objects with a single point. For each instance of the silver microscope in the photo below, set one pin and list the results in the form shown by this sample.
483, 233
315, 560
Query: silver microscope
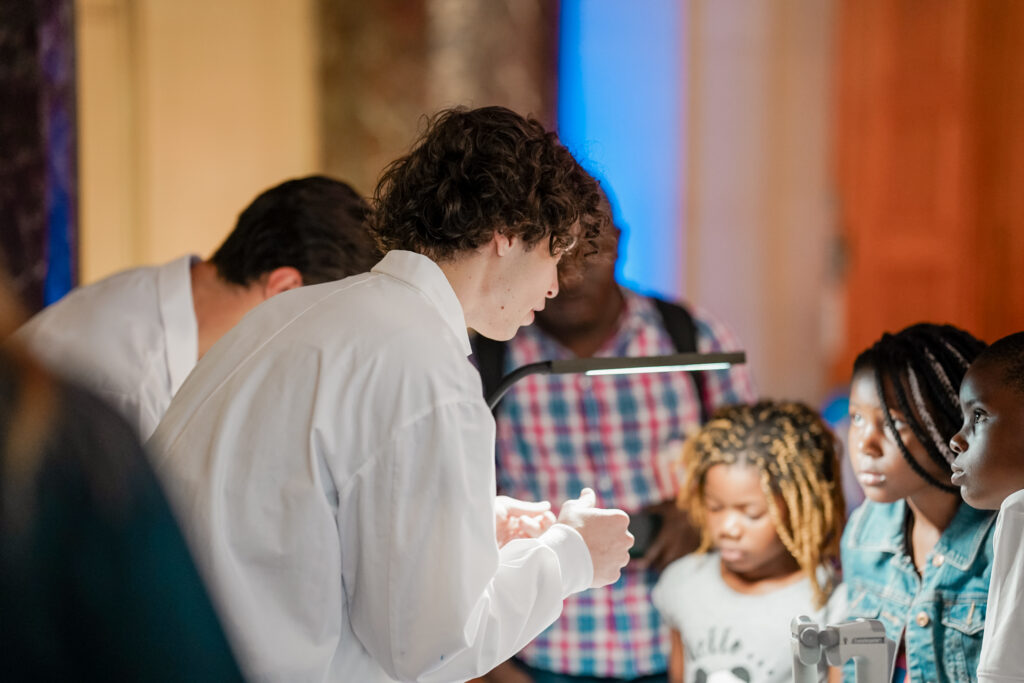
874, 655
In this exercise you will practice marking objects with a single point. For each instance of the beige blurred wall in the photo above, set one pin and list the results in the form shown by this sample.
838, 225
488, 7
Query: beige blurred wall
761, 221
187, 109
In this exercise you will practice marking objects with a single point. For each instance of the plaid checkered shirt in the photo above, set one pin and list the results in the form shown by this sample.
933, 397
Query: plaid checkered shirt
619, 435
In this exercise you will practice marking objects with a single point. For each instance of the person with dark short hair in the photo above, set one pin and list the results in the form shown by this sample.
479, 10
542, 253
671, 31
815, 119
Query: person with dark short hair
332, 457
133, 337
989, 469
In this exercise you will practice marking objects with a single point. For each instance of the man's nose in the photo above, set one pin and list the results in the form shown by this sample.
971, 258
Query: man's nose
553, 288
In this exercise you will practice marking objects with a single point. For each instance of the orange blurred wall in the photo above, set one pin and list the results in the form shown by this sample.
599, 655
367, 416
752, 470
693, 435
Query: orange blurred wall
931, 166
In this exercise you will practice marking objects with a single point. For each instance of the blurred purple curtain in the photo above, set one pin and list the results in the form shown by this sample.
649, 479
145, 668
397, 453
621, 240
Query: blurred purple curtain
38, 169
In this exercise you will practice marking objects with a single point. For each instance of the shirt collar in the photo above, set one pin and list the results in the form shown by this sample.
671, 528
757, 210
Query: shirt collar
963, 538
178, 315
423, 274
959, 543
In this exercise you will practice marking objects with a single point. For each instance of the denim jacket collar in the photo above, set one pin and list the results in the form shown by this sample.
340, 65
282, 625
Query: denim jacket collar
959, 543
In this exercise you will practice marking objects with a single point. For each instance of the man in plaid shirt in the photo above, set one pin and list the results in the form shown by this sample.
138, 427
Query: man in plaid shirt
621, 436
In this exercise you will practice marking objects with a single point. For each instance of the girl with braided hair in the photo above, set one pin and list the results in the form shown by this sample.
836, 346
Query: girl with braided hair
762, 485
914, 555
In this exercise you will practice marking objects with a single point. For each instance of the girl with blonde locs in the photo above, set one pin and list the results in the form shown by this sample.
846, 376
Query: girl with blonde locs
762, 485
794, 452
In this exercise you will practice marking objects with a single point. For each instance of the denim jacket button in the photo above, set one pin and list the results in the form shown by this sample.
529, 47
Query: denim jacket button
938, 560
922, 619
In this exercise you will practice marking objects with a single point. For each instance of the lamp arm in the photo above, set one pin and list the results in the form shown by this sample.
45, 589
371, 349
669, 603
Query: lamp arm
679, 361
692, 362
541, 368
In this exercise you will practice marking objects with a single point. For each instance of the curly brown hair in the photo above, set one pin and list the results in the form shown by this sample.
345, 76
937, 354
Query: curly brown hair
797, 458
474, 172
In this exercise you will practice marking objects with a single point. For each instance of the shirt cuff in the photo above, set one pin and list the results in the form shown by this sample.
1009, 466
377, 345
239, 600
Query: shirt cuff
573, 558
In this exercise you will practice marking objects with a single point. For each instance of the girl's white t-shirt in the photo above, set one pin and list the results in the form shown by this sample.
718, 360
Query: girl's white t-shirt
732, 637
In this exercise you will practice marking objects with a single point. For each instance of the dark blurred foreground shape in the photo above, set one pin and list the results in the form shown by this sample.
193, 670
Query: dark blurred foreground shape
96, 582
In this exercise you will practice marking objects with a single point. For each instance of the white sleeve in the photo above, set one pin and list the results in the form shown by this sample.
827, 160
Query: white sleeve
1002, 659
431, 596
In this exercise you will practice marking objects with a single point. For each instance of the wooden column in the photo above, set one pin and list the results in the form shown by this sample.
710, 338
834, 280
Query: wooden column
386, 64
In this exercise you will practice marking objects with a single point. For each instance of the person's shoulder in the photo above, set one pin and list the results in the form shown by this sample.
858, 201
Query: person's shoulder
712, 334
129, 284
1014, 503
691, 566
378, 322
680, 581
874, 525
96, 308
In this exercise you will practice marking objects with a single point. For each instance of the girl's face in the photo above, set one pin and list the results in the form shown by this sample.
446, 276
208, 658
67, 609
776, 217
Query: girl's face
881, 469
741, 525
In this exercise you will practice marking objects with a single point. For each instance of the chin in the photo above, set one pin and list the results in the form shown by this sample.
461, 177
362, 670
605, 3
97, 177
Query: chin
875, 495
497, 334
978, 500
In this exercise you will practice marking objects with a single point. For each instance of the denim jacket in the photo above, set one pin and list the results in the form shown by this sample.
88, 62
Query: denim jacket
941, 613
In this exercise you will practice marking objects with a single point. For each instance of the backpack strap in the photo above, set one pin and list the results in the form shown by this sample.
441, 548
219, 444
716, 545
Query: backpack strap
490, 361
681, 327
490, 354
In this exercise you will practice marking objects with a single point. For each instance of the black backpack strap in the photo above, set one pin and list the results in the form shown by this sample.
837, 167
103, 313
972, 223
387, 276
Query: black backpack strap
681, 327
490, 361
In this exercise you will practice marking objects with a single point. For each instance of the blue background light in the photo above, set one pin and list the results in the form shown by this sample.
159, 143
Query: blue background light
621, 112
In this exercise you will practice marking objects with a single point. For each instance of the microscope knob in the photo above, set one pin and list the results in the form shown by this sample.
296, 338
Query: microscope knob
809, 638
828, 637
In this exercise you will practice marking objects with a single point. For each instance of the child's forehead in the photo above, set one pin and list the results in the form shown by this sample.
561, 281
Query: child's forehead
864, 392
986, 381
733, 476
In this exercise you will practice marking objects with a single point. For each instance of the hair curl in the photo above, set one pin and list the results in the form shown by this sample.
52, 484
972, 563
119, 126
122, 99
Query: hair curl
796, 456
922, 367
474, 172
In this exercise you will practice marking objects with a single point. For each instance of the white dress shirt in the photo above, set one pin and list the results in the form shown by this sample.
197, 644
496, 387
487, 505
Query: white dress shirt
131, 338
332, 461
1002, 657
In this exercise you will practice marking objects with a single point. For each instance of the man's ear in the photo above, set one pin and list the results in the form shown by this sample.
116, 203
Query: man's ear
502, 243
280, 280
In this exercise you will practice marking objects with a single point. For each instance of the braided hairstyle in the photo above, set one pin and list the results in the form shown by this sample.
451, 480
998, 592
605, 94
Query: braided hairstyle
922, 367
796, 456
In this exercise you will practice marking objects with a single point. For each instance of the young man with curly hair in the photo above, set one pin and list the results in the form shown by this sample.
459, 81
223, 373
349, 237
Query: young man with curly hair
332, 457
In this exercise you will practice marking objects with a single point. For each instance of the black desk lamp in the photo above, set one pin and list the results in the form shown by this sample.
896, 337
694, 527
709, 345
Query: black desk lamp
689, 362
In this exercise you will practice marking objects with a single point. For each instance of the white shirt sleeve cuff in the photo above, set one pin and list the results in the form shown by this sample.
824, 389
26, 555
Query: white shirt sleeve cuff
573, 558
